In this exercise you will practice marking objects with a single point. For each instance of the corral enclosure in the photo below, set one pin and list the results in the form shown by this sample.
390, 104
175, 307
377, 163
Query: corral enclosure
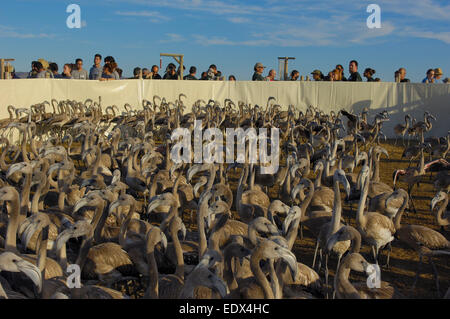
397, 98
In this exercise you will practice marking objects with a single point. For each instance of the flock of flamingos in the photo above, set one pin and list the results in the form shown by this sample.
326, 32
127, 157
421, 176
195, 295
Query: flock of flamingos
87, 187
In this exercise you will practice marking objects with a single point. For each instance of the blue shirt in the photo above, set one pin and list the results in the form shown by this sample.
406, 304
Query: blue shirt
95, 73
426, 80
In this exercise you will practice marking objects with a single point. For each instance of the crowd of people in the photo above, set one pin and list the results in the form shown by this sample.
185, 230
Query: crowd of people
110, 71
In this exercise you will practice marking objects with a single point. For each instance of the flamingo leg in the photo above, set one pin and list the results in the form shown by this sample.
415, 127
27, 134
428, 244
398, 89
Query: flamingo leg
315, 253
418, 271
436, 277
326, 274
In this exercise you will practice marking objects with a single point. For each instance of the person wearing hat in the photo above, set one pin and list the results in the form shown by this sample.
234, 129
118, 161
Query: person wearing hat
317, 75
437, 74
42, 72
257, 76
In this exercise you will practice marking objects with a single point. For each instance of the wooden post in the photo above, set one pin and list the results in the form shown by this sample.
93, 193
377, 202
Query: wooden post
2, 67
177, 57
285, 69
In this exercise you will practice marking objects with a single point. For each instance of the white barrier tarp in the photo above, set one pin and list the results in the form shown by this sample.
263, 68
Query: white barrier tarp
397, 98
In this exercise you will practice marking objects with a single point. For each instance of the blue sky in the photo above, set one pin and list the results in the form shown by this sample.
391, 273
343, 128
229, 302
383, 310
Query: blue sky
233, 34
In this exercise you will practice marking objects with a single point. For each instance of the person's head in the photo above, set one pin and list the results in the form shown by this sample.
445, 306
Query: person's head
438, 73
137, 72
213, 67
34, 65
317, 75
402, 73
108, 69
170, 66
67, 69
231, 78
272, 74
39, 66
377, 80
119, 71
336, 75
145, 72
192, 70
340, 68
259, 68
155, 69
109, 59
430, 74
295, 74
446, 80
204, 76
113, 66
353, 66
97, 59
368, 73
53, 67
172, 69
79, 64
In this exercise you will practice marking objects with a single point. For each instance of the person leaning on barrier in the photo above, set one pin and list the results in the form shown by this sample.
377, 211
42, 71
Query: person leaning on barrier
171, 73
110, 59
108, 72
96, 70
259, 69
430, 77
192, 73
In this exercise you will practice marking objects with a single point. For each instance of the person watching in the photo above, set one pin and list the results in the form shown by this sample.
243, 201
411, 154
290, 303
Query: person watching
108, 72
67, 71
231, 78
43, 73
79, 73
53, 67
212, 72
171, 73
368, 73
294, 75
192, 73
259, 69
437, 74
137, 73
317, 75
354, 74
110, 59
430, 77
272, 75
96, 70
402, 75
341, 70
154, 73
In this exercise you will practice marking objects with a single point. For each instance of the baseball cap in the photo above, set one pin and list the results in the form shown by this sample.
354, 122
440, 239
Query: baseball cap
316, 72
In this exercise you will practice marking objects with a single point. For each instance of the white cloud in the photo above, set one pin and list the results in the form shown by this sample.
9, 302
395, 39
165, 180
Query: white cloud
10, 32
238, 20
173, 37
154, 16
